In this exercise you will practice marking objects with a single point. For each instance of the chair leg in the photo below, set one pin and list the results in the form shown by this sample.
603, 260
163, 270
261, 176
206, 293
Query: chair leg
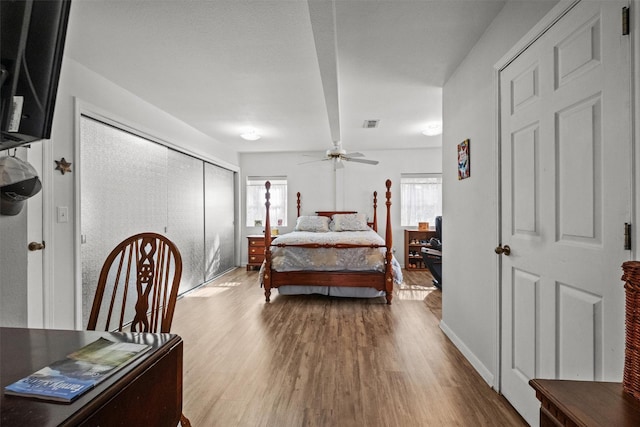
184, 421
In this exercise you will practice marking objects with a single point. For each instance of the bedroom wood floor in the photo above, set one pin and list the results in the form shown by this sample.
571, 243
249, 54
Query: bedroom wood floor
320, 361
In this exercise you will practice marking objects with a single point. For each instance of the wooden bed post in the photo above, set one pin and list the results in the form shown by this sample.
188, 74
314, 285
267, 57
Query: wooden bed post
298, 202
267, 246
375, 211
389, 244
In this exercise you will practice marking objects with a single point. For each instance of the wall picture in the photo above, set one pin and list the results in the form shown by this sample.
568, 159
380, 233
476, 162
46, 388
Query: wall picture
464, 165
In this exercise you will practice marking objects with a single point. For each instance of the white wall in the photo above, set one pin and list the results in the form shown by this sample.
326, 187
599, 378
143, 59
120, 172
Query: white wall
470, 208
316, 183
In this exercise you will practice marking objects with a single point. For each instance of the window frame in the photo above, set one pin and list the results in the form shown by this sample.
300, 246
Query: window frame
409, 215
255, 200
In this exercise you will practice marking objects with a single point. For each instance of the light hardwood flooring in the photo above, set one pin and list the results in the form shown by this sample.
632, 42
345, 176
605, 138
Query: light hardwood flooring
322, 361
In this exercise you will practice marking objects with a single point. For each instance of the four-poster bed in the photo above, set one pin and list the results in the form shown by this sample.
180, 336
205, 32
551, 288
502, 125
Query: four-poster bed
333, 253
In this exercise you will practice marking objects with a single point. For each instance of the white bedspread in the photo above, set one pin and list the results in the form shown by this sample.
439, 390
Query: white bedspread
331, 259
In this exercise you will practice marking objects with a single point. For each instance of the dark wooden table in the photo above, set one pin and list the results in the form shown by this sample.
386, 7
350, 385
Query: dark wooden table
148, 391
585, 403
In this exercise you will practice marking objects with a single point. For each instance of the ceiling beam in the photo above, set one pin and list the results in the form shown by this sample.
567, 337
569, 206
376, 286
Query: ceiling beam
323, 25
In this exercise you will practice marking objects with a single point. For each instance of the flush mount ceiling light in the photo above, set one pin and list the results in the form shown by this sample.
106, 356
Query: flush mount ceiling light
250, 135
433, 129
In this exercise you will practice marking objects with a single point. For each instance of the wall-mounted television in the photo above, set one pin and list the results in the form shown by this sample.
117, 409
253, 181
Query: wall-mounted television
32, 36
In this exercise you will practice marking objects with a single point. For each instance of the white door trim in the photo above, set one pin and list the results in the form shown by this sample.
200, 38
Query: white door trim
49, 301
498, 264
538, 30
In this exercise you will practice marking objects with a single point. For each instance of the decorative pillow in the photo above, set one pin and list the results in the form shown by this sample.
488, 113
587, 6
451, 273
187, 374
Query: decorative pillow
349, 222
318, 224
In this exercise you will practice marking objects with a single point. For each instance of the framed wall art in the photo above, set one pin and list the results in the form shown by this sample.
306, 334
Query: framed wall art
464, 160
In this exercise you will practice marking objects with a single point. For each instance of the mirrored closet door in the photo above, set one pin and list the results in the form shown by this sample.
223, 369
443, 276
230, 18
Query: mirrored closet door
130, 184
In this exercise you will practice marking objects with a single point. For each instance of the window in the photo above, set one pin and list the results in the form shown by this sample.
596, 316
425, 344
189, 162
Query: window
420, 198
255, 200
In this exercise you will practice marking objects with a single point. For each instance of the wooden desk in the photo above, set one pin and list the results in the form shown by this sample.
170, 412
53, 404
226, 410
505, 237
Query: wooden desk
585, 403
147, 392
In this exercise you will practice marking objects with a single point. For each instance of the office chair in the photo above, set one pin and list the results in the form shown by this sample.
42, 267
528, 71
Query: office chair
432, 258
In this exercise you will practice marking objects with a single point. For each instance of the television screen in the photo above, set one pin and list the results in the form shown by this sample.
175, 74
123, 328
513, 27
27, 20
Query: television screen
32, 41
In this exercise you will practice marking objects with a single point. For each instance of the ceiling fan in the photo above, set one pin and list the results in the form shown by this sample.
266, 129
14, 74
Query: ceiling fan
338, 155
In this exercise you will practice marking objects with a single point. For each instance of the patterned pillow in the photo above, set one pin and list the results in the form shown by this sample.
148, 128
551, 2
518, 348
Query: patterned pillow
349, 222
318, 224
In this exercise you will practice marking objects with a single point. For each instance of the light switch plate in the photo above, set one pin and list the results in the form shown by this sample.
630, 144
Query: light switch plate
63, 214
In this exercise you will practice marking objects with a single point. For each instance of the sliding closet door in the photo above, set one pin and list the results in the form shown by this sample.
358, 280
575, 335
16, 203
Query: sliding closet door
132, 185
123, 192
186, 216
219, 220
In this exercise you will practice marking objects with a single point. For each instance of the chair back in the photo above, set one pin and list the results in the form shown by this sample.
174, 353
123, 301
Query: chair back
138, 284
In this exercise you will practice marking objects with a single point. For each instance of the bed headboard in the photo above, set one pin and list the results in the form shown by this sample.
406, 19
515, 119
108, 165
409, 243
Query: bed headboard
331, 213
373, 224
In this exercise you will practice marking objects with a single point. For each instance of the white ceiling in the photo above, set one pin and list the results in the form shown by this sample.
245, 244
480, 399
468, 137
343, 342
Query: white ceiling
282, 67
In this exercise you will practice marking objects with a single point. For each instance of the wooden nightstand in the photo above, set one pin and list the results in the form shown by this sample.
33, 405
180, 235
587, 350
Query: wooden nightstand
255, 250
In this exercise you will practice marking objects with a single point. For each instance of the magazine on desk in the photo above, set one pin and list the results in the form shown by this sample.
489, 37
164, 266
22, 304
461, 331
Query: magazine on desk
67, 379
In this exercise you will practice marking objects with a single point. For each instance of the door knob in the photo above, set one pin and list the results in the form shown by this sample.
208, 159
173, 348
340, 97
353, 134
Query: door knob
506, 250
35, 246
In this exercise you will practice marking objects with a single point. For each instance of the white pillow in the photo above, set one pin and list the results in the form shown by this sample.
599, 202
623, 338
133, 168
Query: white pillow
317, 224
349, 222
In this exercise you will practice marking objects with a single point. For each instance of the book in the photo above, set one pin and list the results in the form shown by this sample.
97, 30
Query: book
67, 379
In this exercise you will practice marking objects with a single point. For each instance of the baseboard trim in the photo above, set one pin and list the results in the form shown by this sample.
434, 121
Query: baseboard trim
484, 372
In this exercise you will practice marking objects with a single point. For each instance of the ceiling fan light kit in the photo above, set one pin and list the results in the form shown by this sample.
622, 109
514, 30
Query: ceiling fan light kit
336, 153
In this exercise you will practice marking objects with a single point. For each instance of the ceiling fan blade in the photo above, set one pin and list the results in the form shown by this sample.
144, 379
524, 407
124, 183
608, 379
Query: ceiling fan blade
354, 155
369, 162
313, 161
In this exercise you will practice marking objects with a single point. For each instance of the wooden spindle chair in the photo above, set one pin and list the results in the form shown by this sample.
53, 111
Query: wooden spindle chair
141, 277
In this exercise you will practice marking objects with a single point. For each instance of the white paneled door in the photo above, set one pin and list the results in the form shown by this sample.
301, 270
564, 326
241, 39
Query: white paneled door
566, 191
